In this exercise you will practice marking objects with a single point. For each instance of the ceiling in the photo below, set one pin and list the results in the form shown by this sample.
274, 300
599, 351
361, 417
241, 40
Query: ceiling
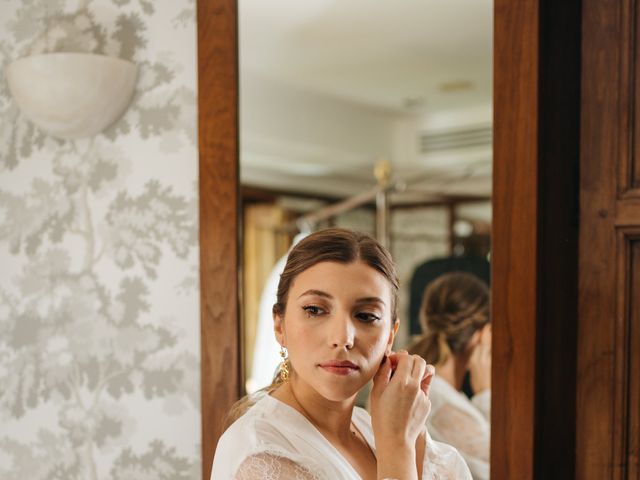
393, 72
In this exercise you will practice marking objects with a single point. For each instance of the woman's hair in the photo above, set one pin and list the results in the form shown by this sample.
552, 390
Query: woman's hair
329, 245
336, 245
454, 307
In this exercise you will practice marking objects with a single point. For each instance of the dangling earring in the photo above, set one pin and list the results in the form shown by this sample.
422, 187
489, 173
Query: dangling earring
284, 366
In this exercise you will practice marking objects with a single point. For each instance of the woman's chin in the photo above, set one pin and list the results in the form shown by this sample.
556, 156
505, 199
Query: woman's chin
339, 392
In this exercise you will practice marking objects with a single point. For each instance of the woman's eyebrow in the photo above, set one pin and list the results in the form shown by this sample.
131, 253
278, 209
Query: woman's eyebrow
319, 293
371, 300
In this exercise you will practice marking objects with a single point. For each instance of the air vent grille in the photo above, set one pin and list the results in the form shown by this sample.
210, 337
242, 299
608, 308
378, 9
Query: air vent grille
455, 139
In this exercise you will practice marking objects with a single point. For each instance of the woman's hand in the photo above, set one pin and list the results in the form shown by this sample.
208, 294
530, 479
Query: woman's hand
480, 362
399, 408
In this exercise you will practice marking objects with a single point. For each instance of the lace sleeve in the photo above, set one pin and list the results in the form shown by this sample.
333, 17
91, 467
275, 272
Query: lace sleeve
463, 431
267, 466
443, 462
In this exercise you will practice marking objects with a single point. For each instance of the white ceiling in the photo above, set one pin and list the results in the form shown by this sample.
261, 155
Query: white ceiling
414, 66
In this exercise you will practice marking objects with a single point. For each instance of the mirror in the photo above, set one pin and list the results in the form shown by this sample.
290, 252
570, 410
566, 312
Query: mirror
371, 116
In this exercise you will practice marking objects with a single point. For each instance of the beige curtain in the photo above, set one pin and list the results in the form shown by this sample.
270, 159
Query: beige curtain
264, 243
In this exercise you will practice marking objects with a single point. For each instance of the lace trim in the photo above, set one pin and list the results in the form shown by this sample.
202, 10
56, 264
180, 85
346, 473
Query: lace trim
276, 464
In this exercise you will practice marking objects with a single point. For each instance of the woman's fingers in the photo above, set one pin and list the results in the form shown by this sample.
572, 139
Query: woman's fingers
425, 384
418, 369
403, 365
382, 376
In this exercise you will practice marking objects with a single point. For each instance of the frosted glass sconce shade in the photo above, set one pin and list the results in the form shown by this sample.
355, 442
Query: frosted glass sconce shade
72, 95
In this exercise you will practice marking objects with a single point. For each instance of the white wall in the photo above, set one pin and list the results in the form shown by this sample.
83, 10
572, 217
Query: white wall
99, 303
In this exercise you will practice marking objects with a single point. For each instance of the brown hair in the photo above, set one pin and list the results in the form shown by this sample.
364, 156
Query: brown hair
329, 245
454, 307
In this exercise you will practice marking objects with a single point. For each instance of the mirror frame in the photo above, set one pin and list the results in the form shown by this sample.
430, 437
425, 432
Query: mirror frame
536, 145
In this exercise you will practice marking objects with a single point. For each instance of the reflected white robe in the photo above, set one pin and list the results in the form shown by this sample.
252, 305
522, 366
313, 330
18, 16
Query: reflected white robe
463, 423
274, 441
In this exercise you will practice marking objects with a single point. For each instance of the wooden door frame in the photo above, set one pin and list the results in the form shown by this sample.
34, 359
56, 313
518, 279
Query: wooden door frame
535, 237
219, 226
536, 151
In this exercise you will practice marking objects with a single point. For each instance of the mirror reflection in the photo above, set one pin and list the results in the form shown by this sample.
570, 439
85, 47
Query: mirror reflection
376, 118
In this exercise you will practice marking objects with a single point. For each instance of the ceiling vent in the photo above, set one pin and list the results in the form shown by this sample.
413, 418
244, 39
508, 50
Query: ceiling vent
456, 138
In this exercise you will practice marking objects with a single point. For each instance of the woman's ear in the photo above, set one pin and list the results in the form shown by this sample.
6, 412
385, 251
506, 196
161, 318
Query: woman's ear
278, 329
392, 334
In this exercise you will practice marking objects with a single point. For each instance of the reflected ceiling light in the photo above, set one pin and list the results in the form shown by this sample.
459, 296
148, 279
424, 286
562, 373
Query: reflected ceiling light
72, 95
462, 228
455, 86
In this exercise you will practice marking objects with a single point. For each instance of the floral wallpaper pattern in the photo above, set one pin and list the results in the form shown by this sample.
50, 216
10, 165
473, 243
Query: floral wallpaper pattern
99, 312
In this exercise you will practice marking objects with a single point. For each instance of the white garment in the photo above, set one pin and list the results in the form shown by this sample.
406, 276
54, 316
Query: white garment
465, 424
273, 441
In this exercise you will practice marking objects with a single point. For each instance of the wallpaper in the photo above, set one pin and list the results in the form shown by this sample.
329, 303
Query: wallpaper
99, 301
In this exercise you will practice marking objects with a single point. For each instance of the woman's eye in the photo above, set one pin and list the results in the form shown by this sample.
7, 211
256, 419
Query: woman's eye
313, 311
367, 317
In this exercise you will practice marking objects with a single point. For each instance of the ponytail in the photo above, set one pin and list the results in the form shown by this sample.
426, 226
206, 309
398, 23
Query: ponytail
432, 346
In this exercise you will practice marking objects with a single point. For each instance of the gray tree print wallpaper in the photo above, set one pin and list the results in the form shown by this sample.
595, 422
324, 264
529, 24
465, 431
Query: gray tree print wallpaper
99, 312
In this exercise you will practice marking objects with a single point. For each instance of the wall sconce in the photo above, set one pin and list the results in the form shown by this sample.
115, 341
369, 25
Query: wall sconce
72, 95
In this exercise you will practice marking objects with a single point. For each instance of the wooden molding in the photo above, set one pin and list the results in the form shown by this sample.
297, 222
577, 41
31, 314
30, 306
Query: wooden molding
514, 237
218, 188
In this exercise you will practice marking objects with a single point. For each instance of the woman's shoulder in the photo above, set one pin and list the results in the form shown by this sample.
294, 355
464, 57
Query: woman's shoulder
260, 424
264, 437
253, 432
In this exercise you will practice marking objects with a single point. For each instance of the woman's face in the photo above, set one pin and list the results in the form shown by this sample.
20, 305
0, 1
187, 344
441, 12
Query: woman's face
337, 327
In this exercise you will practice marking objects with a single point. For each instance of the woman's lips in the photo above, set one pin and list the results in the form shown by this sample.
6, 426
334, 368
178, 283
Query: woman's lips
339, 367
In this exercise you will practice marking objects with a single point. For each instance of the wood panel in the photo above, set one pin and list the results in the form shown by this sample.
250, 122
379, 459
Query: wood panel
607, 393
632, 311
514, 237
632, 172
218, 187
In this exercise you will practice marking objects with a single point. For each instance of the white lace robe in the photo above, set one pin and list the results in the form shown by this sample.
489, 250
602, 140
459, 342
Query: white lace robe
273, 441
463, 423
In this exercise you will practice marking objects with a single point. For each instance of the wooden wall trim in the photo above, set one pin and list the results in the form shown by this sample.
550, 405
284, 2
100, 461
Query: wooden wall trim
514, 237
218, 189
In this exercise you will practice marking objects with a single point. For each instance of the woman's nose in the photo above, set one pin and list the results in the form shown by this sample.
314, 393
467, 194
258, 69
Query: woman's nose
342, 332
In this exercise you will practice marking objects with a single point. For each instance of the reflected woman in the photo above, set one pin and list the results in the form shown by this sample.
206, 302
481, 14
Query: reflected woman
457, 339
335, 318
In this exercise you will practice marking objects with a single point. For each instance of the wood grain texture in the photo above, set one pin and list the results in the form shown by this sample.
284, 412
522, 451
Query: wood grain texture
607, 394
596, 329
631, 172
632, 311
514, 237
218, 144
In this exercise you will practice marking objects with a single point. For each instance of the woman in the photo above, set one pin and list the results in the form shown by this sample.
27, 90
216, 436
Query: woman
335, 318
457, 339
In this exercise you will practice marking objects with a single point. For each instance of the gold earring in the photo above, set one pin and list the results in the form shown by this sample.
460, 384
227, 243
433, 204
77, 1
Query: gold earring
284, 366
